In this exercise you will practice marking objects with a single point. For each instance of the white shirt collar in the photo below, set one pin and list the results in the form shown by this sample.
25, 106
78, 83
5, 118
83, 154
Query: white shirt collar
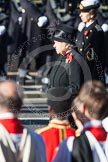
89, 23
7, 115
93, 123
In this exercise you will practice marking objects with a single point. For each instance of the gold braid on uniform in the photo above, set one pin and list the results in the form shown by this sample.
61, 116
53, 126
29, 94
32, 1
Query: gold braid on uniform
90, 54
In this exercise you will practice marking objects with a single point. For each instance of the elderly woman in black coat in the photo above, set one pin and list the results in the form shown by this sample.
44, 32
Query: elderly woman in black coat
68, 70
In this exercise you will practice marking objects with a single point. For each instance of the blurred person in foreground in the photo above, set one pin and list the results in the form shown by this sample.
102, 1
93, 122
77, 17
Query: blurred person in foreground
92, 144
17, 143
59, 128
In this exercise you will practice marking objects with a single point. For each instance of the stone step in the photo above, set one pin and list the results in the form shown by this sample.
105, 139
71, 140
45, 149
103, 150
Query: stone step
37, 106
34, 113
35, 100
34, 94
34, 123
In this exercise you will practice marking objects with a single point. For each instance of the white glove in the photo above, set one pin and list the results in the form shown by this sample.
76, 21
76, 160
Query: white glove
104, 27
2, 29
81, 26
22, 72
20, 20
43, 20
45, 80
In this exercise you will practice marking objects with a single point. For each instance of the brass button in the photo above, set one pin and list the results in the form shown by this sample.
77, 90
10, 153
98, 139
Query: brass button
90, 30
82, 43
87, 37
81, 49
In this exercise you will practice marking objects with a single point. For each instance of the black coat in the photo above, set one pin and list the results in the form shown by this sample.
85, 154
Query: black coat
66, 74
4, 38
59, 11
33, 36
82, 151
14, 29
90, 43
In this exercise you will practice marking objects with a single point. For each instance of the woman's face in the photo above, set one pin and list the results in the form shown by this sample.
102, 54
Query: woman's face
60, 47
86, 17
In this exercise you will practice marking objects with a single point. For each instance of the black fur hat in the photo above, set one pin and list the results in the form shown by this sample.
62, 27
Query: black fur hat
64, 33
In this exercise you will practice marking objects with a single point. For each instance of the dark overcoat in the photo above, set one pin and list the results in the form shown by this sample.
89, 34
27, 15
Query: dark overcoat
67, 74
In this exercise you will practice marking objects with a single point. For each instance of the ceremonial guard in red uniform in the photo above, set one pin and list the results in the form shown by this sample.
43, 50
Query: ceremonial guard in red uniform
59, 127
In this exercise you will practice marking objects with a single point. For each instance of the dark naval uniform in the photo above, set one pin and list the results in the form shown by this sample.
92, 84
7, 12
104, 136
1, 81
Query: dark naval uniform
61, 11
32, 36
30, 31
66, 74
14, 29
4, 21
90, 43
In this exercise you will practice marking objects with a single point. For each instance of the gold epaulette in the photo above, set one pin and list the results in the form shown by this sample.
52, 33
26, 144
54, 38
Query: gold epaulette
40, 130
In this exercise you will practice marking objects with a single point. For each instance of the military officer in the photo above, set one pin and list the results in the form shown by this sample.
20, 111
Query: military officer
4, 21
90, 40
14, 29
31, 35
61, 10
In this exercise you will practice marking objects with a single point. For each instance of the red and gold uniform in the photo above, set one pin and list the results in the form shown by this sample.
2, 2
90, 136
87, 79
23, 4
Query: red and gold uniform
53, 134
